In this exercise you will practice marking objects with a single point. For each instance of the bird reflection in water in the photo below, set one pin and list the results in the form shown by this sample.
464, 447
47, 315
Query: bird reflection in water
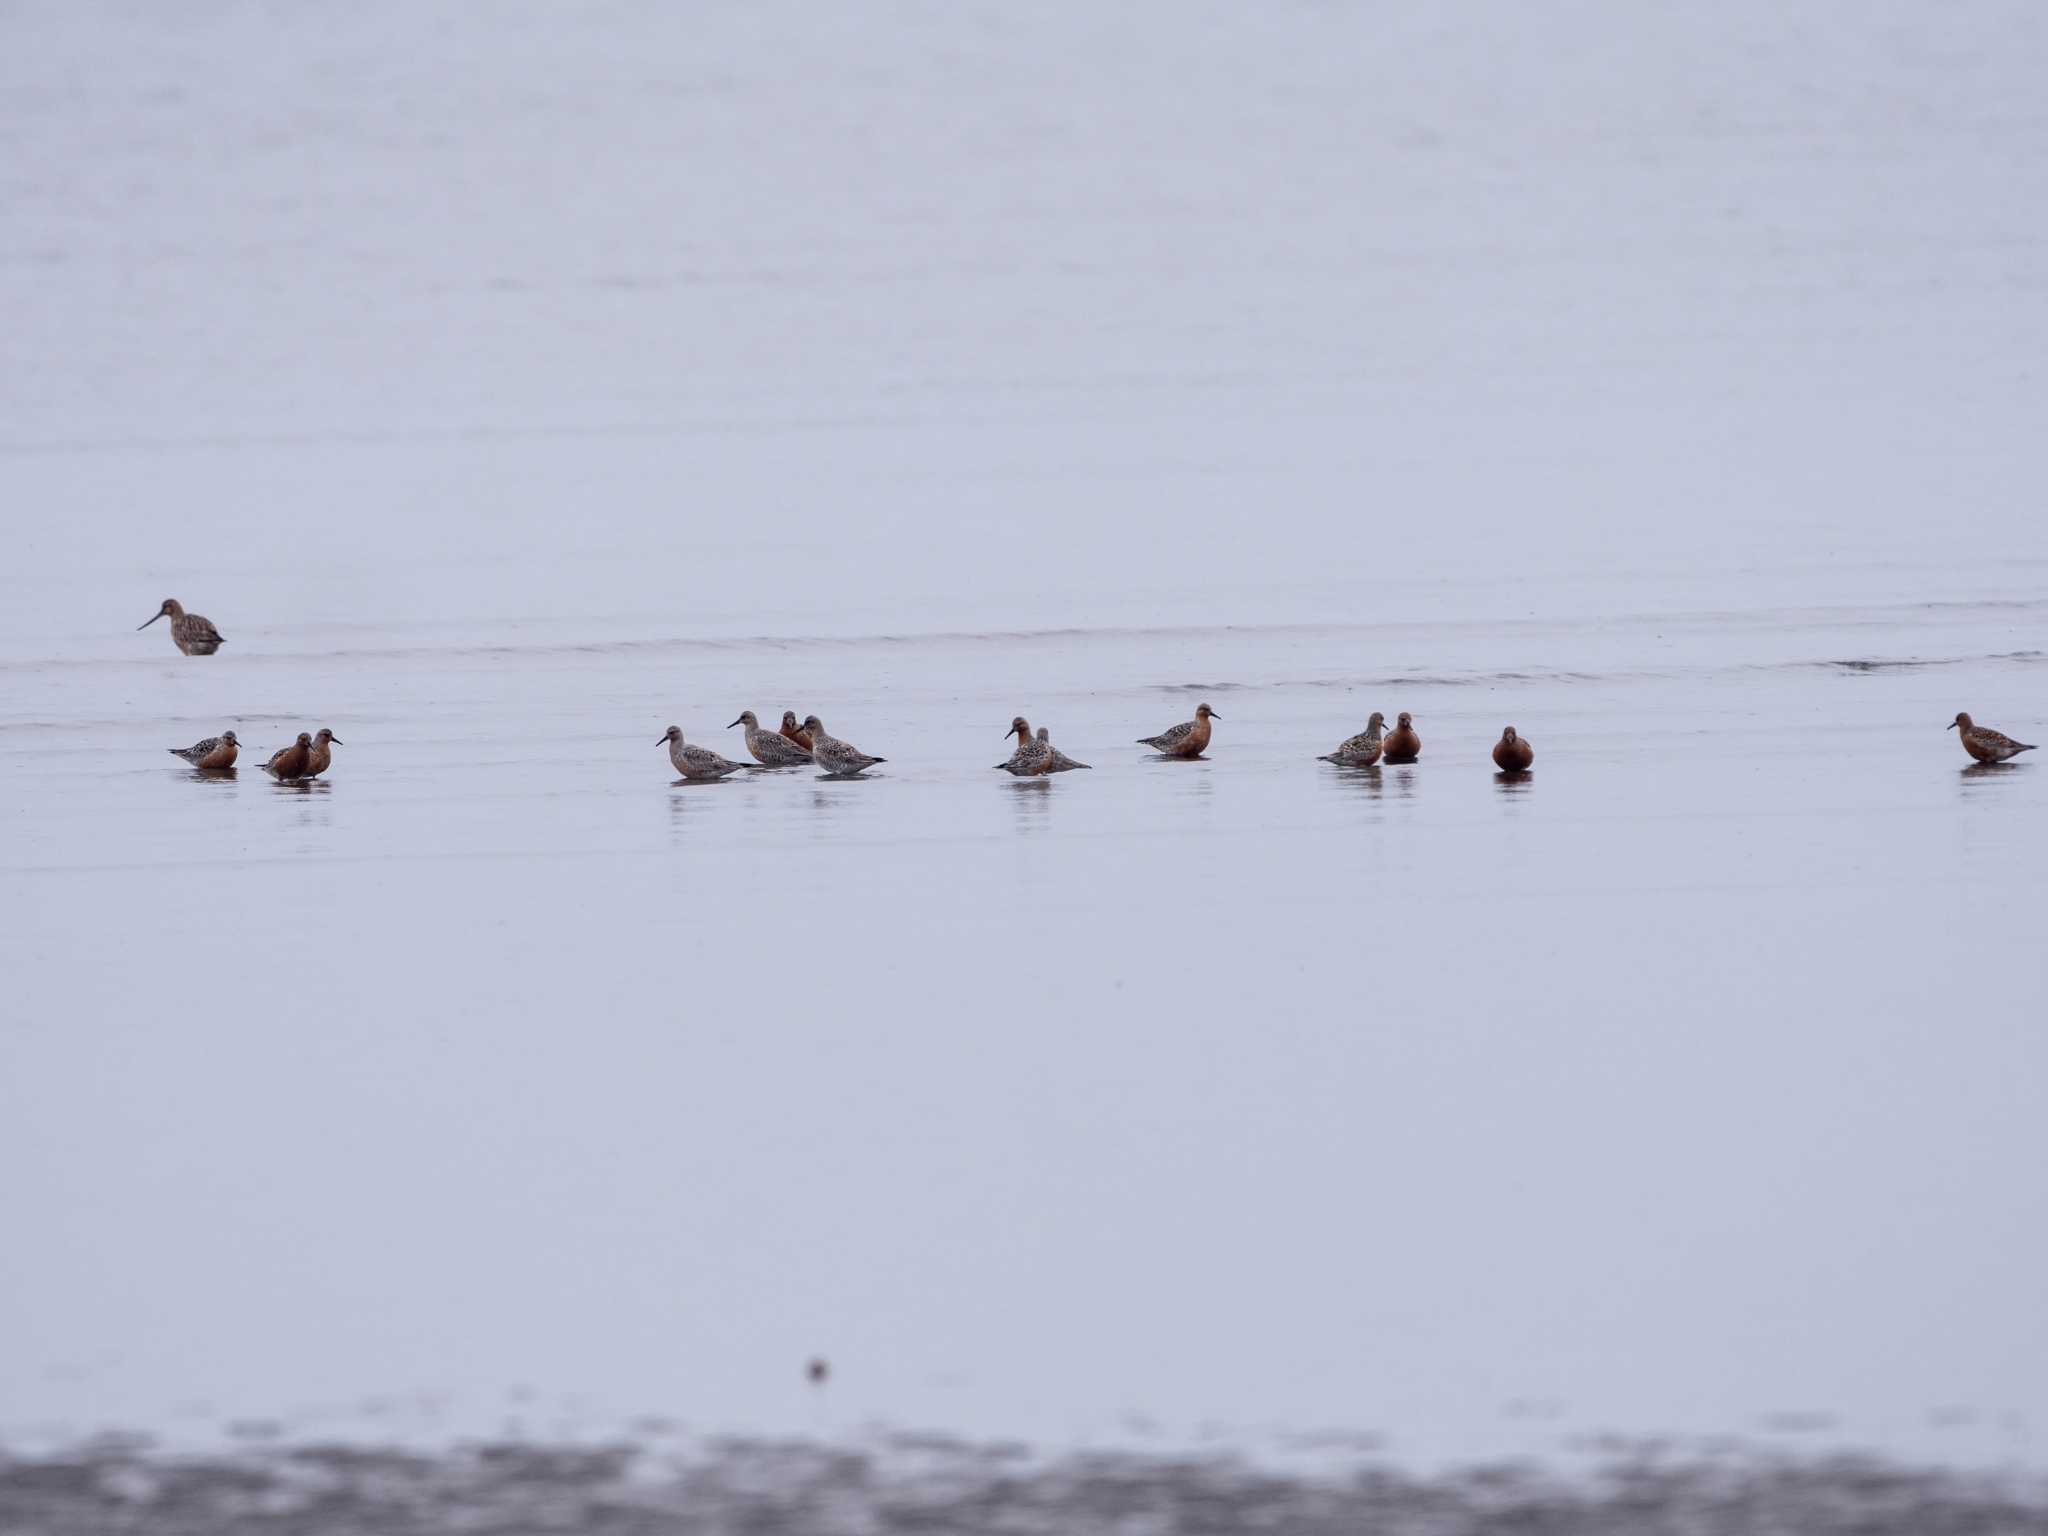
1366, 782
1032, 800
1978, 778
1516, 784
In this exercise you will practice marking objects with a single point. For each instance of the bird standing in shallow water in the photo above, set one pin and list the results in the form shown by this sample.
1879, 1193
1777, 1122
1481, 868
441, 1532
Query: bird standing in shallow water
1362, 750
320, 754
1061, 763
214, 753
1511, 754
190, 633
795, 732
1032, 756
839, 759
1985, 744
1401, 745
772, 749
1188, 739
290, 762
699, 763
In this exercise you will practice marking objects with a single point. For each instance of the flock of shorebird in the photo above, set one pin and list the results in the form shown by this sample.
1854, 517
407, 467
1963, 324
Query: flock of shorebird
1036, 756
306, 758
795, 745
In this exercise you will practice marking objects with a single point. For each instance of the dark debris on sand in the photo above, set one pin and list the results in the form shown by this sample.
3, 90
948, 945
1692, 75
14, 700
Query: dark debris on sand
763, 1488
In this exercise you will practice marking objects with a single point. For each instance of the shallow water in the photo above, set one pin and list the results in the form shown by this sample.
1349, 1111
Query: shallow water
1246, 1091
1682, 415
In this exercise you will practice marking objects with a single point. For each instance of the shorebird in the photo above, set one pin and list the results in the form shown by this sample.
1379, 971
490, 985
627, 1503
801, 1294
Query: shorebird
1362, 750
321, 754
695, 762
290, 762
1985, 744
1032, 756
839, 759
772, 749
1401, 745
215, 752
1511, 754
190, 633
795, 732
1060, 763
1188, 739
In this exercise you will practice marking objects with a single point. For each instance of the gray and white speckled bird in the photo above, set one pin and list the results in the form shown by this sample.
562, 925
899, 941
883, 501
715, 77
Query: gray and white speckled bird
698, 763
190, 633
1188, 739
839, 759
214, 753
1059, 761
771, 749
1032, 756
1362, 750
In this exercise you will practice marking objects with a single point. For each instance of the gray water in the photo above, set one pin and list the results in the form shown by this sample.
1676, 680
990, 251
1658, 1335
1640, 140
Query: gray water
508, 393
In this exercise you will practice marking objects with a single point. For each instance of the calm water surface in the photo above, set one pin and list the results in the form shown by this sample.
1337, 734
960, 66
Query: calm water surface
1666, 386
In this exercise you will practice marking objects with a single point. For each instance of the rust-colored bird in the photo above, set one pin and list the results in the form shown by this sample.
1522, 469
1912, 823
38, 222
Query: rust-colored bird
1985, 744
1511, 754
321, 754
1032, 757
1188, 739
214, 753
795, 732
1401, 744
290, 762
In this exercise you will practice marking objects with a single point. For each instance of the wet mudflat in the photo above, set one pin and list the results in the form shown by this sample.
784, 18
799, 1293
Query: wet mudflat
928, 1484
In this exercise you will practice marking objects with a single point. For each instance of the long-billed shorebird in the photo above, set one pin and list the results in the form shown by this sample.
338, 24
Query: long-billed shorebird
771, 749
290, 762
1032, 756
1401, 745
1512, 754
1362, 750
321, 754
795, 732
214, 753
190, 633
1985, 744
839, 759
1188, 739
700, 763
1061, 763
